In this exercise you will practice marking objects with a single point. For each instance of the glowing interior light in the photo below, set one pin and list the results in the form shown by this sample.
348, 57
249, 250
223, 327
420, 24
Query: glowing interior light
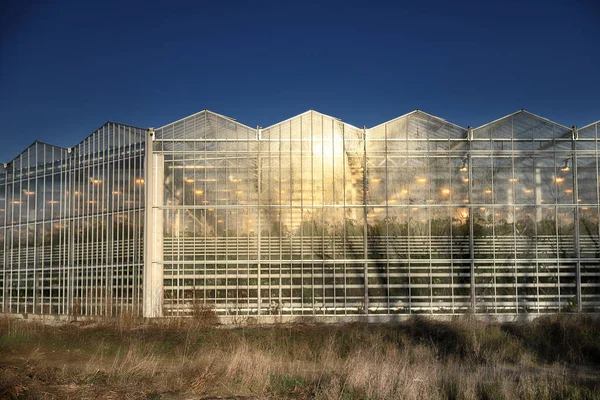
220, 221
465, 180
376, 180
115, 192
199, 192
28, 193
568, 190
189, 180
52, 202
421, 180
559, 179
239, 192
415, 209
96, 181
487, 191
465, 200
211, 209
404, 191
566, 167
482, 209
528, 191
139, 181
513, 179
77, 193
16, 202
584, 208
445, 191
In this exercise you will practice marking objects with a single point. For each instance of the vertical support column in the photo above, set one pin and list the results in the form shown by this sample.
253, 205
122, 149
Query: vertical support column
259, 219
365, 227
576, 218
471, 233
3, 305
153, 231
70, 301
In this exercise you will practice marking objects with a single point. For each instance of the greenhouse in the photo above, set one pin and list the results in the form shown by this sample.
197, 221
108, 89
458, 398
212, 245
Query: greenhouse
308, 217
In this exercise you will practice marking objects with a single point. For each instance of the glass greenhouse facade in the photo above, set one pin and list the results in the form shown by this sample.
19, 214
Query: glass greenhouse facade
308, 217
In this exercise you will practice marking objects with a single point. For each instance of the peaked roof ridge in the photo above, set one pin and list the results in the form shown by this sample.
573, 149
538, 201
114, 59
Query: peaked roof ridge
335, 118
36, 141
417, 111
205, 111
102, 126
522, 111
544, 119
121, 124
290, 118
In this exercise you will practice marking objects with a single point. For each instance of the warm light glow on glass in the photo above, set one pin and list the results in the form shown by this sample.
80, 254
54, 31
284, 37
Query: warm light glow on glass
559, 179
96, 181
199, 192
445, 191
28, 193
376, 180
239, 192
404, 191
513, 179
527, 191
569, 191
465, 180
189, 180
487, 191
139, 181
421, 180
220, 221
53, 202
115, 192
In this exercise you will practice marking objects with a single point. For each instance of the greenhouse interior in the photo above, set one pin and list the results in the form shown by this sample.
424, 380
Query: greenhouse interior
308, 217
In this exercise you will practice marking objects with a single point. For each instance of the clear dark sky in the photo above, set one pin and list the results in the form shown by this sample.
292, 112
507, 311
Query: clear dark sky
68, 67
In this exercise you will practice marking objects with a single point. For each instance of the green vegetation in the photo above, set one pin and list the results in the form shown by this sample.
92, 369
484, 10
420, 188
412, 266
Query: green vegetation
553, 357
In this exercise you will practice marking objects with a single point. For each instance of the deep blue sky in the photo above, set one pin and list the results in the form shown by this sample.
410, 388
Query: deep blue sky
67, 67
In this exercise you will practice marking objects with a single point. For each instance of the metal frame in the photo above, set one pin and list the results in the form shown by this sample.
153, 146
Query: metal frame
310, 216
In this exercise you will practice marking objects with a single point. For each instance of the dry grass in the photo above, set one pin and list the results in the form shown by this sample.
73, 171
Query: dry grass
551, 358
